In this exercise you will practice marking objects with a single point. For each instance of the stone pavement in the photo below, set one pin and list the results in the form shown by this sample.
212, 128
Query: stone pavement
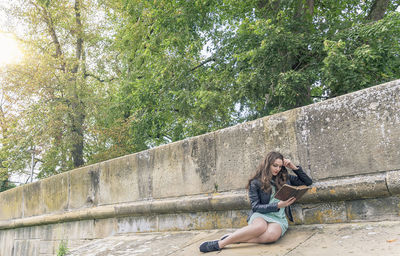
364, 238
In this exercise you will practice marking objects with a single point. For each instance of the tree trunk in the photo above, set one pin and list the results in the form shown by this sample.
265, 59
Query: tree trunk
273, 4
77, 117
77, 107
79, 38
304, 10
378, 10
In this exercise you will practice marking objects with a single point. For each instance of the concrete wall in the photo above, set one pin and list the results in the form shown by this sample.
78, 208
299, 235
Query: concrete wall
349, 145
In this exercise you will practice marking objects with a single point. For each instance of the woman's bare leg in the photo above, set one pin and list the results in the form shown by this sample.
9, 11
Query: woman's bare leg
272, 234
257, 228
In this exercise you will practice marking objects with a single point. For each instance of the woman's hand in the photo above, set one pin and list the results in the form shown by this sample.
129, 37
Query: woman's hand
288, 164
286, 203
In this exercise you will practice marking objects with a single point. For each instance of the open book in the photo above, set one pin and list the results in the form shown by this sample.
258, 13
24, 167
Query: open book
288, 191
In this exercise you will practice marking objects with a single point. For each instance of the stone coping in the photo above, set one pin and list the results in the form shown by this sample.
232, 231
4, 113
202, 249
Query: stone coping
351, 188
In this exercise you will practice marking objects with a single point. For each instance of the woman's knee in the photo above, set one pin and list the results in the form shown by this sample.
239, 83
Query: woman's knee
268, 237
259, 226
272, 234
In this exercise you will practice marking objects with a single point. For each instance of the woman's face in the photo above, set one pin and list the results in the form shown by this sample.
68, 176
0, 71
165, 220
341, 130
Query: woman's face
276, 166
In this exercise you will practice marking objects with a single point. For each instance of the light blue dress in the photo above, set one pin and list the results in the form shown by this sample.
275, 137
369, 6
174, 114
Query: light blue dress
276, 217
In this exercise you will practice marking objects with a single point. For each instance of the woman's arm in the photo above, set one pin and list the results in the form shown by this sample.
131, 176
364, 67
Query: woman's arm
256, 205
301, 179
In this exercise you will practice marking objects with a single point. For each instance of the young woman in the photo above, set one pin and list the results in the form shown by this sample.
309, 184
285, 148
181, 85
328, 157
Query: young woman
267, 219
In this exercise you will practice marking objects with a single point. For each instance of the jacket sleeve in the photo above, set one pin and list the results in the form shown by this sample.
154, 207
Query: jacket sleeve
301, 178
256, 205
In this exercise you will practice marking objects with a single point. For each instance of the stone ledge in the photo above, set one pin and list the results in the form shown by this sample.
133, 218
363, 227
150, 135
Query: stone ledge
357, 187
345, 189
211, 202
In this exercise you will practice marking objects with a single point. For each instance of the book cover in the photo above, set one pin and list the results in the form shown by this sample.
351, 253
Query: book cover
288, 191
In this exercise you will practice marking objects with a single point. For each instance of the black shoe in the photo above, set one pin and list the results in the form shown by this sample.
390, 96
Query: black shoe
210, 246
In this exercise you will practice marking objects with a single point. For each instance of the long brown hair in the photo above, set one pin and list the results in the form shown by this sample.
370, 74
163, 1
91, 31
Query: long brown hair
264, 175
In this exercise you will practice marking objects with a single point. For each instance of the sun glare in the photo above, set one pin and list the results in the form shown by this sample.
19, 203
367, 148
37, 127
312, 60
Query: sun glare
9, 50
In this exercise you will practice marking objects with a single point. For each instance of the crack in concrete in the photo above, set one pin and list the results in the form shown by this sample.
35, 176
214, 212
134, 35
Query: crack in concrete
386, 183
187, 245
305, 240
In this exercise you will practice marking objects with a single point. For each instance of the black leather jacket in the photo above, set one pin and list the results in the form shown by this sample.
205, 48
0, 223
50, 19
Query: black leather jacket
260, 200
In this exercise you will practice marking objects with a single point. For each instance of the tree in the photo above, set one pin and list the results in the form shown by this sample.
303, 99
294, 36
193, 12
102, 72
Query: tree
281, 52
265, 56
57, 87
166, 92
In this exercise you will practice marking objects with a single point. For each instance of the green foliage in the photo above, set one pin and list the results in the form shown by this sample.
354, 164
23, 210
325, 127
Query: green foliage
286, 54
5, 184
166, 93
62, 248
362, 56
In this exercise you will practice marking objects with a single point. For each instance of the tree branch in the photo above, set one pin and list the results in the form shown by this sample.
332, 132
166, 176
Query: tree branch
320, 97
50, 27
203, 63
98, 78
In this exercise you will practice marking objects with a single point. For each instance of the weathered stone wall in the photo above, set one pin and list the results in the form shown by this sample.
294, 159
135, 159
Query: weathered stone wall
349, 145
